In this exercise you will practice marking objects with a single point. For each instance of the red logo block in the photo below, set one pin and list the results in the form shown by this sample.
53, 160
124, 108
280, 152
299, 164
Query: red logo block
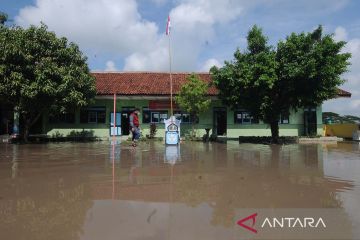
241, 222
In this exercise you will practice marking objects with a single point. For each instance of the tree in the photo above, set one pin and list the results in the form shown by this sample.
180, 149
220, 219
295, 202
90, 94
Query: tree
3, 18
331, 117
40, 72
193, 99
249, 80
304, 70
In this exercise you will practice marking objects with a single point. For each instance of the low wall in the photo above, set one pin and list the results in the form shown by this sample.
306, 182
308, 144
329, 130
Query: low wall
344, 130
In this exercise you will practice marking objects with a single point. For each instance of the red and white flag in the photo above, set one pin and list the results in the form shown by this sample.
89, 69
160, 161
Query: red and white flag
168, 26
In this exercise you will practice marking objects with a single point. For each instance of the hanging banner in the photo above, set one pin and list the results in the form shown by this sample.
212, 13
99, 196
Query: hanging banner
161, 104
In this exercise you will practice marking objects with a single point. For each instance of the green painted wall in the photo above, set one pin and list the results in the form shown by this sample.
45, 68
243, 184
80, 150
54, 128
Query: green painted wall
99, 130
294, 128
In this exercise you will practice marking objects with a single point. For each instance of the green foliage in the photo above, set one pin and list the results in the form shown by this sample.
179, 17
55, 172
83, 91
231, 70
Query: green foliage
81, 134
41, 72
57, 134
192, 97
3, 18
331, 117
303, 71
153, 131
249, 80
310, 68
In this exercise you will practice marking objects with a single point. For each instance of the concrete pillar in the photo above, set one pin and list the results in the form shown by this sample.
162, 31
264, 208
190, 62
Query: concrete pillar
16, 127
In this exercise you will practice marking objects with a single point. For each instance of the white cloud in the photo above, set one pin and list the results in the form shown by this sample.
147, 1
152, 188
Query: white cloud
107, 25
156, 60
110, 66
340, 34
207, 11
209, 64
355, 104
159, 2
193, 24
345, 105
116, 27
353, 46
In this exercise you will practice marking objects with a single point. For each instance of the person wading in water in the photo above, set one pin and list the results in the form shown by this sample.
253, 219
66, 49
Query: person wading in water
135, 126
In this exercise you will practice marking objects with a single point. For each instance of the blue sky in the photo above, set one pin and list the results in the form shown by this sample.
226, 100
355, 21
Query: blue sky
129, 35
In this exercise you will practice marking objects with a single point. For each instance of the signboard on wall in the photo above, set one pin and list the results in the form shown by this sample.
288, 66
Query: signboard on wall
161, 104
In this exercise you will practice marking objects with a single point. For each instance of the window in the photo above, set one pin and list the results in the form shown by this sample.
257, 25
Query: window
177, 115
62, 118
101, 116
158, 116
244, 117
284, 119
146, 117
184, 117
163, 116
154, 116
93, 115
194, 119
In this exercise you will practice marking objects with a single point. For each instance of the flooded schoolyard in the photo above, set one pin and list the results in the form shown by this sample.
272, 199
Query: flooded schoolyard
197, 191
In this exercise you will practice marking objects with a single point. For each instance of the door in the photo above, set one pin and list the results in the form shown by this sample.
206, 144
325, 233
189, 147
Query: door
117, 129
6, 120
125, 117
310, 122
220, 121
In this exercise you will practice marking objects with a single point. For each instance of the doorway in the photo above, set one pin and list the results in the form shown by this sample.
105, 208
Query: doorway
220, 121
310, 122
115, 130
6, 120
125, 117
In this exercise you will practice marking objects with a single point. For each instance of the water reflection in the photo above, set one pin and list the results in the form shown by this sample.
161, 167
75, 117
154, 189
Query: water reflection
342, 164
85, 191
172, 155
45, 207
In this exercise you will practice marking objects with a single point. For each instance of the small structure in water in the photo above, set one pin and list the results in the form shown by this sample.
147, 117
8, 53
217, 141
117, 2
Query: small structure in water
172, 131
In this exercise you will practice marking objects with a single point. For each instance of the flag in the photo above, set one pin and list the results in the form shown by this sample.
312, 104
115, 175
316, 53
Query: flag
168, 26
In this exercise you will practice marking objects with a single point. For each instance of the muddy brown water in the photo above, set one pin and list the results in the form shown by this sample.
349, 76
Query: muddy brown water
197, 191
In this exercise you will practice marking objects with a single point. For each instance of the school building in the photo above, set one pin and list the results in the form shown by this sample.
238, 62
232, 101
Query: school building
150, 92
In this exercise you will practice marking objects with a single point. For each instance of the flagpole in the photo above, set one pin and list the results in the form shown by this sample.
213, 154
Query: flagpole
114, 123
168, 26
113, 147
171, 82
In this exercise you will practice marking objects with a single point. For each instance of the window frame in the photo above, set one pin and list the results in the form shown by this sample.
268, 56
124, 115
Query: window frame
62, 118
152, 117
183, 115
151, 112
282, 119
90, 115
252, 120
95, 111
146, 110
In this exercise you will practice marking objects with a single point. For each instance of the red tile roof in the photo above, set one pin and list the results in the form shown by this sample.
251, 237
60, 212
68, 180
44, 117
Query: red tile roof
151, 83
343, 93
144, 83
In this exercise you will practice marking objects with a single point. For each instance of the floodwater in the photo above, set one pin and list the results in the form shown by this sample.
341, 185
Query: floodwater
195, 191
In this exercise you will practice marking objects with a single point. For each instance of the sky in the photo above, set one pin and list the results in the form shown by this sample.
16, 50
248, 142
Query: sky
129, 35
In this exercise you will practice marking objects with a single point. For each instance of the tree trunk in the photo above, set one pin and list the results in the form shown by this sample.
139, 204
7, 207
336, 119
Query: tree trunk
275, 155
26, 131
193, 129
193, 118
274, 125
27, 125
